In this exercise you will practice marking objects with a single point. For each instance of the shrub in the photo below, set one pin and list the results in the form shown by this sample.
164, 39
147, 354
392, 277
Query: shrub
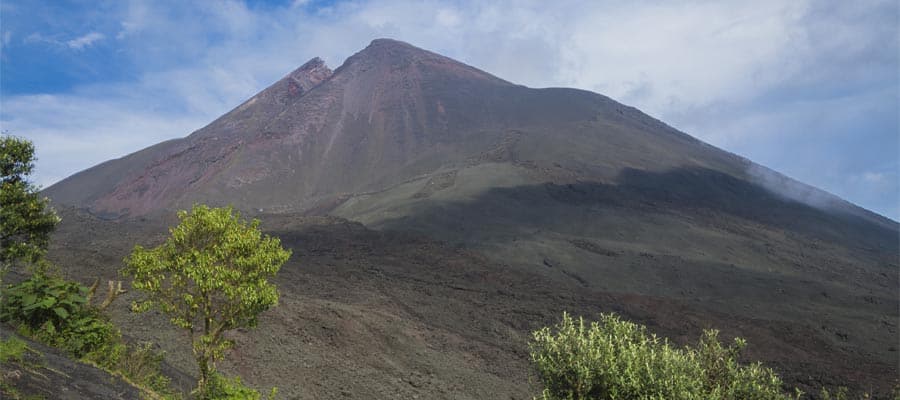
617, 359
43, 299
56, 312
12, 350
839, 394
222, 388
141, 364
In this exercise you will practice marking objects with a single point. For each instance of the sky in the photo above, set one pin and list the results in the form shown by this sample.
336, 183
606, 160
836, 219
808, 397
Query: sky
807, 88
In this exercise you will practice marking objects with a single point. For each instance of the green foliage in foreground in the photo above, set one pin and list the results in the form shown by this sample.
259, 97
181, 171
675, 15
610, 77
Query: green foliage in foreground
12, 350
210, 276
26, 219
619, 360
222, 388
57, 313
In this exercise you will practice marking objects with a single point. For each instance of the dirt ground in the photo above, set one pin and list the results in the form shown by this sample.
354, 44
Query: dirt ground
369, 314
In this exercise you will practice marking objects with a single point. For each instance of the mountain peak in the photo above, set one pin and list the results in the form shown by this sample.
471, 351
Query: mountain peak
558, 184
314, 63
310, 74
390, 51
395, 56
388, 42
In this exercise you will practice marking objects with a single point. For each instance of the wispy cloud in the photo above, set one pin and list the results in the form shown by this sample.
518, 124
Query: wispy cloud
78, 43
37, 38
873, 177
84, 41
807, 88
75, 132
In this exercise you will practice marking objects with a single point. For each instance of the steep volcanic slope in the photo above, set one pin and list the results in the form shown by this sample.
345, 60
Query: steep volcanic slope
391, 113
560, 185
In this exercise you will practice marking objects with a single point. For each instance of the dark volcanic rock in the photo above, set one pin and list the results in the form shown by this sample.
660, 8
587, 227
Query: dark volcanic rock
488, 208
47, 373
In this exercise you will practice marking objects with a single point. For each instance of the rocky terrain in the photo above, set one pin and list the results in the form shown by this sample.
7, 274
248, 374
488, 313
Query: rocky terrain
48, 373
438, 214
384, 314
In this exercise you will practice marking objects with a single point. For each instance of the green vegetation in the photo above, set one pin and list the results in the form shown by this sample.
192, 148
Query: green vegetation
45, 306
839, 394
617, 359
209, 277
26, 219
58, 313
12, 350
222, 388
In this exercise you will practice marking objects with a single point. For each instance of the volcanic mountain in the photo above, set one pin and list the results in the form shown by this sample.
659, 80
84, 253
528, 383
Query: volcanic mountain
523, 202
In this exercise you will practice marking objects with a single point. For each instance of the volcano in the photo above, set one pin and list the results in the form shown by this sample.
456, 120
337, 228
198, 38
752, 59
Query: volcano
438, 213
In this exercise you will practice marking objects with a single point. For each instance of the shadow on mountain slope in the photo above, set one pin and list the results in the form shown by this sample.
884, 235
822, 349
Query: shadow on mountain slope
694, 235
381, 314
693, 193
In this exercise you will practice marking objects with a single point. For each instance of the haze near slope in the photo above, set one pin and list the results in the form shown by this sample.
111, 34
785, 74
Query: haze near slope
391, 113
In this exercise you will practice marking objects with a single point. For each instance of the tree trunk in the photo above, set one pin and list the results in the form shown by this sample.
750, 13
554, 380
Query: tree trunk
202, 384
202, 364
202, 353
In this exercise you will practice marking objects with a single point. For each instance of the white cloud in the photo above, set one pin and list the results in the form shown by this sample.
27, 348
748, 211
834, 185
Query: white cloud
72, 133
747, 77
35, 38
135, 18
873, 177
87, 40
676, 56
79, 43
448, 18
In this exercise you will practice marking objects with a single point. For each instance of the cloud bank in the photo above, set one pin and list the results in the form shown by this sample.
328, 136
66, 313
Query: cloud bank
807, 88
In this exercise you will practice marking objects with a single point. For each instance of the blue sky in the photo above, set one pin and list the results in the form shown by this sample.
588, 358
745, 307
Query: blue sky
808, 88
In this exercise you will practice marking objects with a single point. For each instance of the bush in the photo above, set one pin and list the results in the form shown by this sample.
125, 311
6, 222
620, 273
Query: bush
56, 311
222, 388
141, 364
617, 359
43, 299
12, 350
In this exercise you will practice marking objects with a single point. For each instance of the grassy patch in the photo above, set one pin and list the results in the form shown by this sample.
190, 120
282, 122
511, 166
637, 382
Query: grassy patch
12, 350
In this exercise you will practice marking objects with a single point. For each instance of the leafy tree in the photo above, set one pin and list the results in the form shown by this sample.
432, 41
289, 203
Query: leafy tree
617, 359
47, 307
210, 276
26, 219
